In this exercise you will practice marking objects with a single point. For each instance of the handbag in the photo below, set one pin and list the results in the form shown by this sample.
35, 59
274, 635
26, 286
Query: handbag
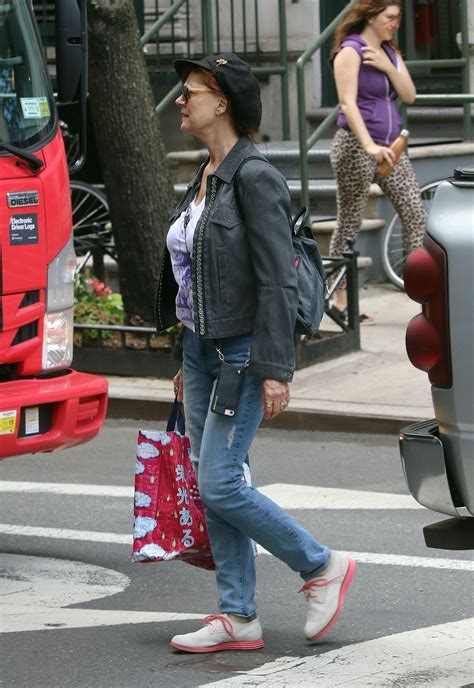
312, 282
169, 514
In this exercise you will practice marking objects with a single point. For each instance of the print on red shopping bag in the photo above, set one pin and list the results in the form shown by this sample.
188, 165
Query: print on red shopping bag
169, 514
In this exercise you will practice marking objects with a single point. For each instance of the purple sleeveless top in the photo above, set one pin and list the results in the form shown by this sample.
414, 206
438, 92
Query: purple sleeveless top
376, 98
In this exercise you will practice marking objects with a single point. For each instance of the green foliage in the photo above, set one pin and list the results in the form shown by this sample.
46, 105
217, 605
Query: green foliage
95, 303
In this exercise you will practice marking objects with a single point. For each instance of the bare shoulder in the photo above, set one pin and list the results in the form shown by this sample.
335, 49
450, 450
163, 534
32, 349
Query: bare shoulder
347, 56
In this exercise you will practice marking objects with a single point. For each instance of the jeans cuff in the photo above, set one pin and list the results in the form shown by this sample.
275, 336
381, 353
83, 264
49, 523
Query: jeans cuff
317, 571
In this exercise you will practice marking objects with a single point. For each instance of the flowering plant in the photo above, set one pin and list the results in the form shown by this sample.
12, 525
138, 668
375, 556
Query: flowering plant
95, 303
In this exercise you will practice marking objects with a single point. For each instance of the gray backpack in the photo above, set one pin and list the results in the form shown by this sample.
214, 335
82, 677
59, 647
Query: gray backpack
312, 282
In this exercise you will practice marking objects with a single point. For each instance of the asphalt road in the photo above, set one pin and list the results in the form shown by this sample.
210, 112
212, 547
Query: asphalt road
77, 612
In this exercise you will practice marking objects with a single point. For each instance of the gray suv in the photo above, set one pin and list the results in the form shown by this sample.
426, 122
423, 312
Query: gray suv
438, 455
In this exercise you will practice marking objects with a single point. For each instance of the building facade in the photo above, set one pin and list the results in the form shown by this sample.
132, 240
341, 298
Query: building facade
429, 30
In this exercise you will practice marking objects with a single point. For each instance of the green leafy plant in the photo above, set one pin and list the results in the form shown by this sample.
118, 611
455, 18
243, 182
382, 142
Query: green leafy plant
97, 304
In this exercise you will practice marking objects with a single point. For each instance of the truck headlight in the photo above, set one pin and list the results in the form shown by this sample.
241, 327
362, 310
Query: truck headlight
59, 320
61, 272
58, 339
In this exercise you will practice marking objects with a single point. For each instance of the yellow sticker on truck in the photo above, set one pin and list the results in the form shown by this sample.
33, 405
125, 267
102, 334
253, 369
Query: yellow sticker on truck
35, 108
7, 422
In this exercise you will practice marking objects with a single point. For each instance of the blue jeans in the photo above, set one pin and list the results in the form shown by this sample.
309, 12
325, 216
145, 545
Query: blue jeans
236, 513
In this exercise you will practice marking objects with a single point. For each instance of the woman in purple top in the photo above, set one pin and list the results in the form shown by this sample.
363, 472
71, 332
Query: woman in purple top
370, 75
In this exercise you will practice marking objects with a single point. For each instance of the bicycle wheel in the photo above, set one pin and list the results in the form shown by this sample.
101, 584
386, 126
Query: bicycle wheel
394, 251
91, 222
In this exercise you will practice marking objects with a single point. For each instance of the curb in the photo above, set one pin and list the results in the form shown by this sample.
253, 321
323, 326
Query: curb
159, 410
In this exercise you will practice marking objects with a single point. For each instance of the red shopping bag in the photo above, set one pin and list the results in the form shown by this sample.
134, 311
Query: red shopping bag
169, 514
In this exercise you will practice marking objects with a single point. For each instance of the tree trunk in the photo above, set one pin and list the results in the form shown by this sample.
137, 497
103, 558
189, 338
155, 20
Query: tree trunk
136, 175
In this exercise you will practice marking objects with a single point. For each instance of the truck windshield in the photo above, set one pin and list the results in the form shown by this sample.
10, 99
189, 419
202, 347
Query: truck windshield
26, 104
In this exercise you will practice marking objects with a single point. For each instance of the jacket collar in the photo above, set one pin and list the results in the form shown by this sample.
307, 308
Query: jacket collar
228, 167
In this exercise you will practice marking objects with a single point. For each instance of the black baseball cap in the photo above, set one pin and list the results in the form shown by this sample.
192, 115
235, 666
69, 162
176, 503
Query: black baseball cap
235, 80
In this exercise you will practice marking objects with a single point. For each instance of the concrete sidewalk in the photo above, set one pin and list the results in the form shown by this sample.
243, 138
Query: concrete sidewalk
373, 390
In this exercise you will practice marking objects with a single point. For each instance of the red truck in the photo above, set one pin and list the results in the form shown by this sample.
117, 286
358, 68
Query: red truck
44, 404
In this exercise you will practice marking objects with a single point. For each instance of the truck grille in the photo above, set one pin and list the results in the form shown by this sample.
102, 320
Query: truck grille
25, 333
21, 319
30, 298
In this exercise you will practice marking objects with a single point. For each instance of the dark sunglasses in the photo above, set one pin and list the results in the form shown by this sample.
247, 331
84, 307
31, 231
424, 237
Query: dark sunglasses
186, 92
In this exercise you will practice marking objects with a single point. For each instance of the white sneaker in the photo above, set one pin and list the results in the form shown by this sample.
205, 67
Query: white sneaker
221, 633
325, 595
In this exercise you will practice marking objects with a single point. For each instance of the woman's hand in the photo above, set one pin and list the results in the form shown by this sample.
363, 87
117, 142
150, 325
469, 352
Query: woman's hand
276, 397
178, 385
377, 58
381, 153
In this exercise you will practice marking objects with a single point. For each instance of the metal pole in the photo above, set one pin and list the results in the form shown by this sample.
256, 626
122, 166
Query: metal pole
455, 62
140, 12
232, 24
257, 30
218, 27
302, 132
285, 99
466, 80
168, 99
300, 64
244, 25
323, 127
445, 99
207, 26
153, 30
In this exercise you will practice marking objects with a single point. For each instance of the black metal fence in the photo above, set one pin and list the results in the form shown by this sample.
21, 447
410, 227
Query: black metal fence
141, 352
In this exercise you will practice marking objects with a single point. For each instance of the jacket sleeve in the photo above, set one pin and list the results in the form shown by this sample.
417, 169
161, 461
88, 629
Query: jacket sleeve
264, 199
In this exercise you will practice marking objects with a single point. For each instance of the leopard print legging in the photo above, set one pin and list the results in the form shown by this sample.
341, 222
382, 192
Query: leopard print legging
355, 170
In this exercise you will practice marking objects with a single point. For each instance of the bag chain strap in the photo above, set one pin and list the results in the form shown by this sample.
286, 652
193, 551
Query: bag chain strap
221, 355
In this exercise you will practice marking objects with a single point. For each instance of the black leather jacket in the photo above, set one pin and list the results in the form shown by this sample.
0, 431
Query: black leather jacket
244, 277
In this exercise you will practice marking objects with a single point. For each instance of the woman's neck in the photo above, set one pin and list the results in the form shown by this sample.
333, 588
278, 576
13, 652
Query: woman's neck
370, 37
219, 144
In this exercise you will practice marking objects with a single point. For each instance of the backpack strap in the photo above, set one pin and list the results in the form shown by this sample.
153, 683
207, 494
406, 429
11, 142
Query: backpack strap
236, 188
298, 223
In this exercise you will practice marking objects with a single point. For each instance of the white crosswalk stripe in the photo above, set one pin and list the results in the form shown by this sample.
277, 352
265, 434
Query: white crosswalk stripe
286, 495
37, 593
126, 539
439, 656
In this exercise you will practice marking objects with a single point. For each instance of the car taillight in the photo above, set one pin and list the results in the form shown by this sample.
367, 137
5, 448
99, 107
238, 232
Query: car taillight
427, 336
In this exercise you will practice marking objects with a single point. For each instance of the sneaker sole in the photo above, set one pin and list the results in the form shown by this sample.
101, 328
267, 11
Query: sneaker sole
345, 584
250, 645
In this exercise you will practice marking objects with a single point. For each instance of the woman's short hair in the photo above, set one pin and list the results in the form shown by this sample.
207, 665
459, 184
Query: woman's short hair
358, 18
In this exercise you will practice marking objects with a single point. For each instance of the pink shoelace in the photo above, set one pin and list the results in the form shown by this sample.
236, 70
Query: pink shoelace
308, 589
224, 621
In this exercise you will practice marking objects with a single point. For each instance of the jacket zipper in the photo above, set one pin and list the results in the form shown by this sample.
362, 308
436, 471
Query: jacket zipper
199, 258
389, 112
159, 292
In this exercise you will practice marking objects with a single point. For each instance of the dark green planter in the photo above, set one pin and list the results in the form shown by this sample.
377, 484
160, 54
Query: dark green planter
127, 362
159, 363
